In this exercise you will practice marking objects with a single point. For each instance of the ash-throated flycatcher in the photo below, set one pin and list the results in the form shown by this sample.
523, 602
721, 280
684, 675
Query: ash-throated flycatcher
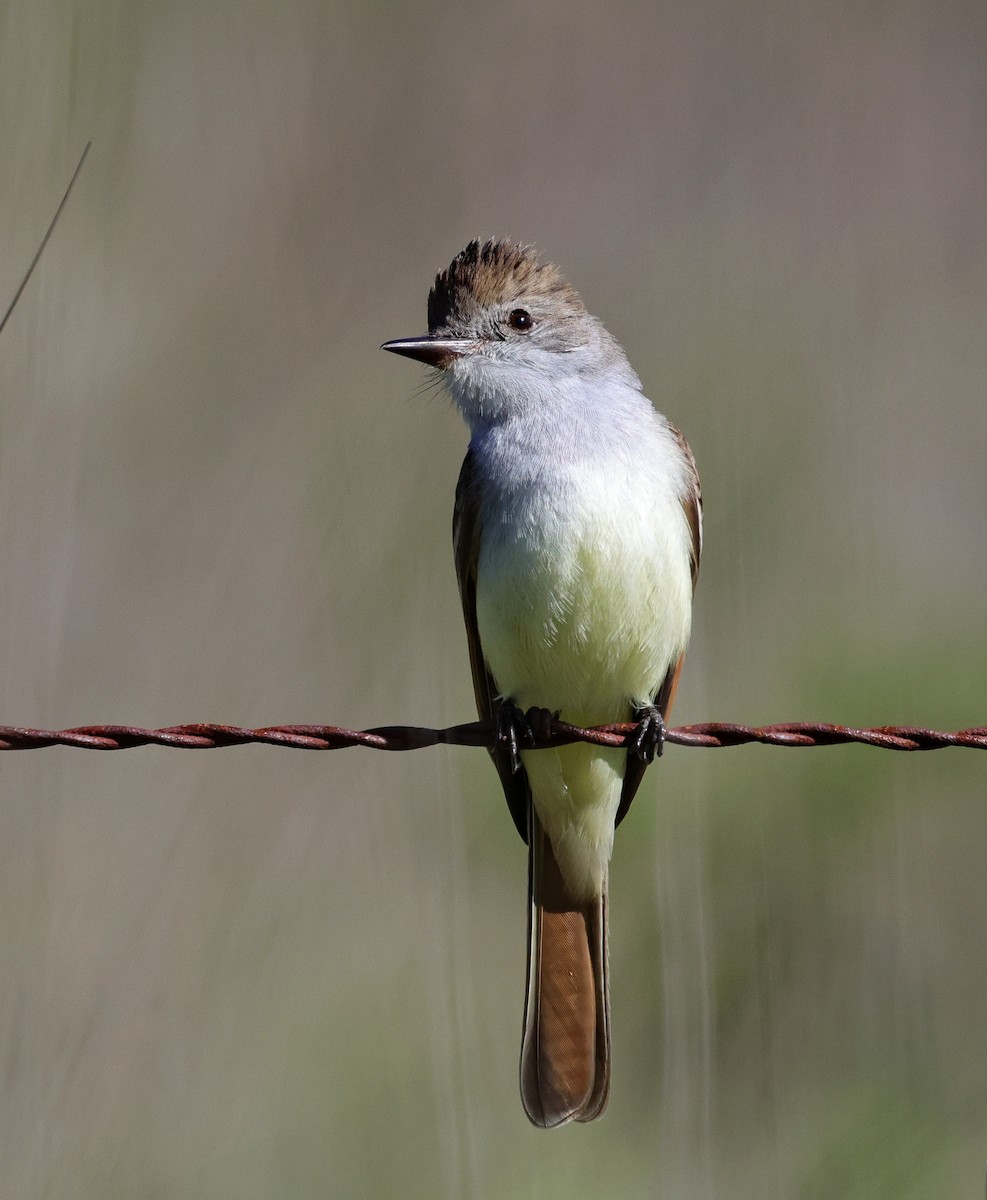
577, 534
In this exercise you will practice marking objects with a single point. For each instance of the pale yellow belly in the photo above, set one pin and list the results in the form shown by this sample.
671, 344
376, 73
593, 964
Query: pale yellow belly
588, 627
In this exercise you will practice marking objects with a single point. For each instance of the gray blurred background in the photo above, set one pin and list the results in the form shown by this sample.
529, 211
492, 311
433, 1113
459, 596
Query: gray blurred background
258, 973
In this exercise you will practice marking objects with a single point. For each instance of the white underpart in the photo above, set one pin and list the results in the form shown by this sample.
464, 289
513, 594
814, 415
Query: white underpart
583, 587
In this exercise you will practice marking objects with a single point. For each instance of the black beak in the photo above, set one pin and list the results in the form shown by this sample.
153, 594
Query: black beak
434, 351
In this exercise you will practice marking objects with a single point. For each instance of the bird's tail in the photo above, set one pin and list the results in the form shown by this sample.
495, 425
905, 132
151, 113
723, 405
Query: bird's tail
565, 1055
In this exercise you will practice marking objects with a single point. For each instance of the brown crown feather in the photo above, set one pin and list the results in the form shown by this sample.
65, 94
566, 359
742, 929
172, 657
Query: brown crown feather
488, 274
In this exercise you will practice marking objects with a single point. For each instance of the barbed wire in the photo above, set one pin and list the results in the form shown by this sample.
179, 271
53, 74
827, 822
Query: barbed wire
709, 735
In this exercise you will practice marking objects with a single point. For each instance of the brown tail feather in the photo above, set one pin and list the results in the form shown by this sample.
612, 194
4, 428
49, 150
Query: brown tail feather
565, 1055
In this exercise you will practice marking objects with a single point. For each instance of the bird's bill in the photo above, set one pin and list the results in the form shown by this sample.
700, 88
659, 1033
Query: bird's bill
435, 351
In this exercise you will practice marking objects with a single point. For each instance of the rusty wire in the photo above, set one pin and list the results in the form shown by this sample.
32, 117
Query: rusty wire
480, 733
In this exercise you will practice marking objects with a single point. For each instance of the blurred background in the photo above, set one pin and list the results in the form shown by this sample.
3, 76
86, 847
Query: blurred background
258, 973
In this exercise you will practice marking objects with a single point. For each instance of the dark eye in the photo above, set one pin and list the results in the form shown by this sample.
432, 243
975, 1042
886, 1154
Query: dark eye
520, 318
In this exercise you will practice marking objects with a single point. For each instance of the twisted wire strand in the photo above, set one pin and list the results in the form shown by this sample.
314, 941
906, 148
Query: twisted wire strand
710, 734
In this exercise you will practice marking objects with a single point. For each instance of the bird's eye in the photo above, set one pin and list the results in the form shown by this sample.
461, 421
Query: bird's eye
520, 318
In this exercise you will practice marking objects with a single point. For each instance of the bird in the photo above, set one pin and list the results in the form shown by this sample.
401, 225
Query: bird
577, 536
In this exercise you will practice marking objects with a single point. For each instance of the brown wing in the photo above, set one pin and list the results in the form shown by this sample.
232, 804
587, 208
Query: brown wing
692, 505
466, 544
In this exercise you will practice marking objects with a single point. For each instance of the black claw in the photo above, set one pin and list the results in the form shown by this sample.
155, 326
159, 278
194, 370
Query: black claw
513, 728
539, 721
516, 728
648, 740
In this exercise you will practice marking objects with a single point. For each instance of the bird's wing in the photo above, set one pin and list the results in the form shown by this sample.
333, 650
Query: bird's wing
692, 506
466, 543
692, 503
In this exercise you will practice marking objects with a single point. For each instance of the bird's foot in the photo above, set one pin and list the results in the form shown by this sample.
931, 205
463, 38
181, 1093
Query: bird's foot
648, 739
516, 728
